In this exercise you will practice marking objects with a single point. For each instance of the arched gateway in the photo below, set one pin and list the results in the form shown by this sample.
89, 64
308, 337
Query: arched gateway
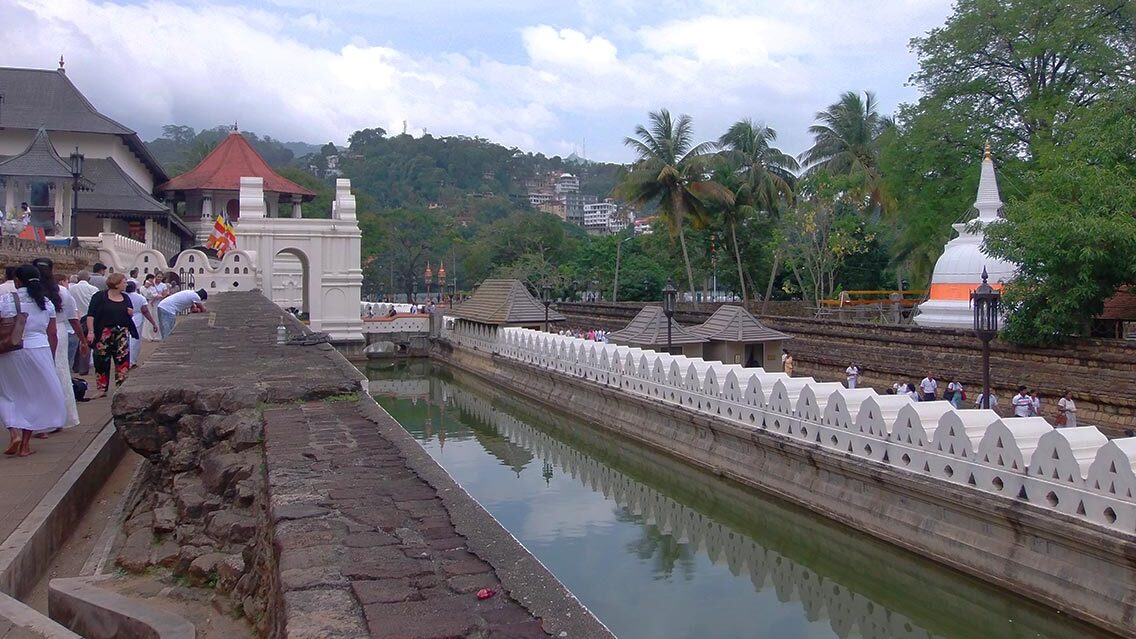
328, 252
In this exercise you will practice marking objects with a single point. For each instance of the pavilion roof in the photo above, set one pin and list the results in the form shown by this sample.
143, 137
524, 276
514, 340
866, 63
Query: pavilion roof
649, 328
735, 324
114, 191
47, 99
226, 164
504, 303
38, 160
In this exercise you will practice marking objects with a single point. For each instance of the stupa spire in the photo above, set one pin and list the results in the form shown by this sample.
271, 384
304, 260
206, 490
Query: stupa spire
988, 202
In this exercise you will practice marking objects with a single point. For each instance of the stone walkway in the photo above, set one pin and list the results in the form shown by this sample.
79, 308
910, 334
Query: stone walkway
367, 547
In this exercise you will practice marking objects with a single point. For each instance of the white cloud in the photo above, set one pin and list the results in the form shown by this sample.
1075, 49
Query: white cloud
310, 70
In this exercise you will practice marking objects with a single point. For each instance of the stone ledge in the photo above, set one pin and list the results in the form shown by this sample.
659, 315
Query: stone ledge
81, 605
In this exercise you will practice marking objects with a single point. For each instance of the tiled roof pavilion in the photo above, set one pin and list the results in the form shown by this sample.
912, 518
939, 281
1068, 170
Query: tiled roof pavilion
735, 324
649, 328
504, 303
224, 167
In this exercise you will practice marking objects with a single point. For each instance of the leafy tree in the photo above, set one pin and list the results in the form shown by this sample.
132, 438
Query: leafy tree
822, 231
760, 176
1074, 236
846, 142
670, 173
1016, 69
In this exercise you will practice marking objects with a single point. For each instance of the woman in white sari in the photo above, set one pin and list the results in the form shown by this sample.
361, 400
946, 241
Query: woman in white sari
150, 291
66, 318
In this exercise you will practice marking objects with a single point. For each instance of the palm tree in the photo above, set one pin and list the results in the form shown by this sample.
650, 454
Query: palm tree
760, 176
846, 142
670, 170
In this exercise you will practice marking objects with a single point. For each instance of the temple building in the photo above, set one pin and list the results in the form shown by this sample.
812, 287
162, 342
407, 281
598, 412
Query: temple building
214, 186
959, 269
53, 140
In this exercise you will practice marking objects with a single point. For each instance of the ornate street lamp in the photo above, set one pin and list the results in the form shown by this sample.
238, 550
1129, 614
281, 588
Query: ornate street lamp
441, 282
669, 295
428, 275
546, 298
986, 302
76, 174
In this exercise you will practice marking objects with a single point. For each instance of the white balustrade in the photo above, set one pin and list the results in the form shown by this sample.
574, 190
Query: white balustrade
1075, 471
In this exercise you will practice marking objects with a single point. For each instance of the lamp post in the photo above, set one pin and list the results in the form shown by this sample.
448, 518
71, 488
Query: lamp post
428, 275
546, 299
669, 294
615, 285
441, 282
76, 174
986, 302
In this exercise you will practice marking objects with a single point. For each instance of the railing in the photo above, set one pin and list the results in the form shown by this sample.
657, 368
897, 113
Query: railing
1074, 471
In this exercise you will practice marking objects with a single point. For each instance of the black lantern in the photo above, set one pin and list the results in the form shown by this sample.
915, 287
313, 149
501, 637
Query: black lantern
546, 299
986, 302
76, 174
670, 294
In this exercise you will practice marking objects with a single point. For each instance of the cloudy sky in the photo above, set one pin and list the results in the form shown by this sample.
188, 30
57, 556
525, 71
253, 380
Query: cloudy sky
554, 77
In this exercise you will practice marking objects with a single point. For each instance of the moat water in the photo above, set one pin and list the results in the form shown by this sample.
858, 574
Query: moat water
658, 550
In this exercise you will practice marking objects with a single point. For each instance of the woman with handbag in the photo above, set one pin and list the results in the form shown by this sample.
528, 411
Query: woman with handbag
110, 326
31, 400
1067, 411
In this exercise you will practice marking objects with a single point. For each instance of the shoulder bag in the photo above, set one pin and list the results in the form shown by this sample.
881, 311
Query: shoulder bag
12, 329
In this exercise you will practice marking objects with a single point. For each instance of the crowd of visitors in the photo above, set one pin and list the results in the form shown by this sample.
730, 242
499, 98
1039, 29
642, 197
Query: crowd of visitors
54, 326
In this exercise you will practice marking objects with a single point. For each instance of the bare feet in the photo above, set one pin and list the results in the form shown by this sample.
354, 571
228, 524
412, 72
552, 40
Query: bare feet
40, 435
24, 452
13, 448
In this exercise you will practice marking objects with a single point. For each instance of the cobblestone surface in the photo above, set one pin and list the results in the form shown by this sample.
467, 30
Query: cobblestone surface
366, 547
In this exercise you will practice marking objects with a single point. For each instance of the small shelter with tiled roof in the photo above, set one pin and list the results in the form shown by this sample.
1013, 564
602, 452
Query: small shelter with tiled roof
503, 303
648, 330
736, 337
214, 184
495, 305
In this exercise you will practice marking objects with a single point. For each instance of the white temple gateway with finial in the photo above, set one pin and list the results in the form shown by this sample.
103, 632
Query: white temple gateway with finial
959, 269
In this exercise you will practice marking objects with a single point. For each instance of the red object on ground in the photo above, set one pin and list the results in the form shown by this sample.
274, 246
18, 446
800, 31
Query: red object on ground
485, 593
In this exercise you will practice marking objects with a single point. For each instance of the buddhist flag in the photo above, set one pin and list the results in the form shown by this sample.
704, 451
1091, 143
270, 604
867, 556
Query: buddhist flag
223, 238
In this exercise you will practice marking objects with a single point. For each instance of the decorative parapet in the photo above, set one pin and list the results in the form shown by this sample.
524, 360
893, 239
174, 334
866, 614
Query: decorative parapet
1076, 471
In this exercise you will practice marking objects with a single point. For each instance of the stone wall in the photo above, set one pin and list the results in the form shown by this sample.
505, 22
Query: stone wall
195, 410
68, 260
1098, 372
1048, 513
273, 478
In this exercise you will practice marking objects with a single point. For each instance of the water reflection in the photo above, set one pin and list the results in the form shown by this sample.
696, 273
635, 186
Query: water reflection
672, 558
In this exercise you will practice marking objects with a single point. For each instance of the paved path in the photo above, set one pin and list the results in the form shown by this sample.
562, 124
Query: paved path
378, 531
26, 480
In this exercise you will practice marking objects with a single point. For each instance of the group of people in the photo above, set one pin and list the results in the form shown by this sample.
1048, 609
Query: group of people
590, 335
14, 222
91, 317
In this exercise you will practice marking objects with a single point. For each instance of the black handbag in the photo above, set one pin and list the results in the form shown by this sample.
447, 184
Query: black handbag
12, 329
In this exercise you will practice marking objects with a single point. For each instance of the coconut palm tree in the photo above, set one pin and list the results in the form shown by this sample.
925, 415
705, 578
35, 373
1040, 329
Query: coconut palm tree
760, 176
670, 171
846, 142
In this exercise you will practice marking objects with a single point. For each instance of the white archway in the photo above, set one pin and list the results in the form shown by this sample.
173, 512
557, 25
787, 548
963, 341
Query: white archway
329, 251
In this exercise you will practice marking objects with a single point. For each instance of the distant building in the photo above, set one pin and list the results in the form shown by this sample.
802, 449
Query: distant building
643, 226
44, 119
604, 217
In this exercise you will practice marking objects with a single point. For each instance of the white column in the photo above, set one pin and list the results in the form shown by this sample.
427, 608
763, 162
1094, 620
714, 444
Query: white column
296, 208
107, 222
207, 207
60, 208
10, 202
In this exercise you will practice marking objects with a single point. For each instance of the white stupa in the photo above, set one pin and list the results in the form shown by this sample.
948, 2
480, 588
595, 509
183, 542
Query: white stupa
959, 269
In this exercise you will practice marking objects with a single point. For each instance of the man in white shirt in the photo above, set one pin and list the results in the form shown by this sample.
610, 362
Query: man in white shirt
1023, 403
853, 373
169, 308
83, 291
928, 385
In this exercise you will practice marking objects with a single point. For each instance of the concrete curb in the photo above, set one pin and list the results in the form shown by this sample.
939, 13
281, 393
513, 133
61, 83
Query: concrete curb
27, 552
80, 604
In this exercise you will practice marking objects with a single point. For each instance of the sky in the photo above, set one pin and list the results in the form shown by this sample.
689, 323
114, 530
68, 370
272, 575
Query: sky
574, 76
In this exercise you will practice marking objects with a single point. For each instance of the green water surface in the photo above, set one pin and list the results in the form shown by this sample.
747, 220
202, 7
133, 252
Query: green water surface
658, 550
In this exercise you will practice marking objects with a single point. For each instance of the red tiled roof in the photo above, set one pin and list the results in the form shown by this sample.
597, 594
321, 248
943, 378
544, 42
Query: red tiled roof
1121, 306
226, 164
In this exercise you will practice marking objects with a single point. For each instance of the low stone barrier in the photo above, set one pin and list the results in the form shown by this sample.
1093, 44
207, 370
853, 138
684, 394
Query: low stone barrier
1046, 512
275, 480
